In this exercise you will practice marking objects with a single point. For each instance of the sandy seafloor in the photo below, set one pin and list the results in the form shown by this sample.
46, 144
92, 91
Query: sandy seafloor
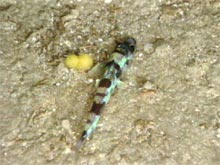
167, 112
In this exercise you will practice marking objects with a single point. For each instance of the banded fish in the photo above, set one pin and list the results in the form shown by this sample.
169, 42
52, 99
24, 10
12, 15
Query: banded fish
113, 69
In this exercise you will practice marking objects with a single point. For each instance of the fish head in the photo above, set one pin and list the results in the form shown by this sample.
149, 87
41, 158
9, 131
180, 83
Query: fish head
127, 46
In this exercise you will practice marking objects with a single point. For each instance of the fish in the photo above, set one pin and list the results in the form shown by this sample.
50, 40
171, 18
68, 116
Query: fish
113, 68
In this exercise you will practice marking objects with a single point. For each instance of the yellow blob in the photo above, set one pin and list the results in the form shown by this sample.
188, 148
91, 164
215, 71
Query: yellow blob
72, 61
85, 62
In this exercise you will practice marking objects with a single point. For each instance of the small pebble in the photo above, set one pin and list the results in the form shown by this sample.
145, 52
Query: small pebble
149, 86
66, 124
107, 1
218, 133
148, 48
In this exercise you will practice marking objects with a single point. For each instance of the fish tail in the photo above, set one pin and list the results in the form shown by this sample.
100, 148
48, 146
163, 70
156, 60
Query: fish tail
80, 143
101, 98
91, 124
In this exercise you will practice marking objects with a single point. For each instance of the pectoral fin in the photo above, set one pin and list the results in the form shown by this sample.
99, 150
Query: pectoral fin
97, 71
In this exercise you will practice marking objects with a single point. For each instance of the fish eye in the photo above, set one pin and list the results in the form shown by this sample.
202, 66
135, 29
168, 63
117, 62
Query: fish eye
132, 48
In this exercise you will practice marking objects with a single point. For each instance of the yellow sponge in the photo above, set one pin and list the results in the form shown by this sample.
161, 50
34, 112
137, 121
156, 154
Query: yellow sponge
82, 62
85, 62
71, 61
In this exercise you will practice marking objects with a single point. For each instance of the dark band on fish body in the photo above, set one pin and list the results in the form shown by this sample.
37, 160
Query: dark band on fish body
118, 74
119, 71
88, 121
105, 83
117, 66
100, 94
83, 134
109, 63
96, 108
